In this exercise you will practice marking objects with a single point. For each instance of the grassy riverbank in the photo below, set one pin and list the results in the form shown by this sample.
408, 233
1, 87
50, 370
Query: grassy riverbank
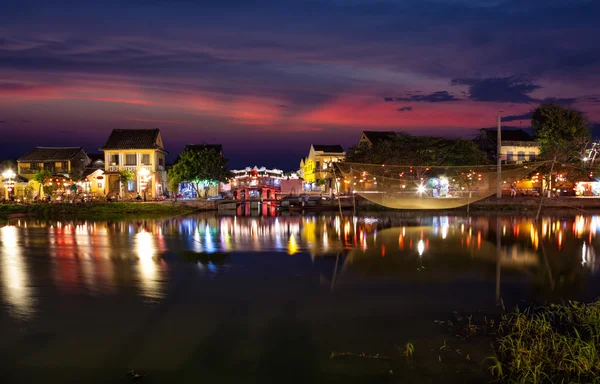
558, 343
94, 211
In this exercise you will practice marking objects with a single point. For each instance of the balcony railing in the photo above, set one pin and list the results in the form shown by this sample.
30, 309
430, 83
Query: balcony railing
132, 168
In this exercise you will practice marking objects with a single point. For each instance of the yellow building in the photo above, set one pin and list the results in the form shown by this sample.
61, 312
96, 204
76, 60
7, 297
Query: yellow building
140, 151
314, 169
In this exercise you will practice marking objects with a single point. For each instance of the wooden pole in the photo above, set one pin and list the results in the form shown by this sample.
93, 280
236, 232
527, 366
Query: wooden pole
499, 159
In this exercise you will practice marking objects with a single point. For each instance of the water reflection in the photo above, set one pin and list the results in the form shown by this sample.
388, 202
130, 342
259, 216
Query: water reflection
103, 257
147, 264
18, 295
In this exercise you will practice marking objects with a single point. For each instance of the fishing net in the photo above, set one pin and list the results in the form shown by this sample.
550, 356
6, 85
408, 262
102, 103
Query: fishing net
422, 187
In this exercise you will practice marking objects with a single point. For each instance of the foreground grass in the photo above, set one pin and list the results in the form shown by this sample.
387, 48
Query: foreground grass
552, 344
93, 211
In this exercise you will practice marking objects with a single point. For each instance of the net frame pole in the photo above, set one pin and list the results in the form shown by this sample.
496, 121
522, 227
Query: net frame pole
499, 158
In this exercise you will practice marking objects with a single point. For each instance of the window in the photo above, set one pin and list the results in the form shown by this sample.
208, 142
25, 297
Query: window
99, 185
131, 159
510, 156
62, 165
532, 155
146, 159
114, 159
318, 164
161, 161
521, 156
131, 186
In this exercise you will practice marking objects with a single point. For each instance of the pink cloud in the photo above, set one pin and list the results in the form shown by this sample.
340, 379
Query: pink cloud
155, 121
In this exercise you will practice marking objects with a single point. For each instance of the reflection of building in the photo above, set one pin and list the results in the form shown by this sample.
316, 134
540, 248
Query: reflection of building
139, 151
256, 183
516, 146
315, 168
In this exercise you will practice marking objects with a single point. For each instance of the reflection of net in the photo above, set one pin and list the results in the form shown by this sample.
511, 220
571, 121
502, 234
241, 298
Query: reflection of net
422, 187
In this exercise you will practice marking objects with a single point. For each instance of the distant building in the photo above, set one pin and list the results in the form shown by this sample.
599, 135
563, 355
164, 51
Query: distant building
516, 145
316, 171
96, 161
140, 151
60, 161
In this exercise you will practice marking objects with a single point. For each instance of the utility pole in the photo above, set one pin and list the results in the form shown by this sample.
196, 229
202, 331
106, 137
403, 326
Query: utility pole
499, 159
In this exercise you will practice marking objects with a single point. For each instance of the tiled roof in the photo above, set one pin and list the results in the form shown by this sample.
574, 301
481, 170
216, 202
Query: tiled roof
42, 154
133, 139
328, 148
510, 134
377, 136
200, 147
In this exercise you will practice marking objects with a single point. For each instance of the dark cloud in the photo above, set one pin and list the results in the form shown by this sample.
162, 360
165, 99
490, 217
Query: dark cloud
592, 99
435, 97
558, 100
406, 108
512, 89
524, 116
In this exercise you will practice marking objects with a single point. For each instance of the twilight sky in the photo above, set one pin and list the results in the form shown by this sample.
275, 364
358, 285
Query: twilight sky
268, 78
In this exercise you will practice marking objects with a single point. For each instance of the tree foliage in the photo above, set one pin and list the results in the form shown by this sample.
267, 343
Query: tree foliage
200, 168
406, 149
124, 176
563, 133
40, 177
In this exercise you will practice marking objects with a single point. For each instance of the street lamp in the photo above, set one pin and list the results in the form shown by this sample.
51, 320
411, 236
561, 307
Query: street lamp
8, 176
144, 175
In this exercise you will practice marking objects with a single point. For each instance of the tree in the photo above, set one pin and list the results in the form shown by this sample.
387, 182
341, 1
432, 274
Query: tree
201, 168
40, 177
124, 176
405, 149
563, 133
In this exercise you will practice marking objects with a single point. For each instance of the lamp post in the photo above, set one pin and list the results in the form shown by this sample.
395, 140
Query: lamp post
8, 177
144, 176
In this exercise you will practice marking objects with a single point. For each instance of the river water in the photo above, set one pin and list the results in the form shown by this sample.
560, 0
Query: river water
268, 299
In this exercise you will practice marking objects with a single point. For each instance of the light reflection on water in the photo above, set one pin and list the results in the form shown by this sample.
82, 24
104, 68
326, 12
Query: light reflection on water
103, 257
17, 292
